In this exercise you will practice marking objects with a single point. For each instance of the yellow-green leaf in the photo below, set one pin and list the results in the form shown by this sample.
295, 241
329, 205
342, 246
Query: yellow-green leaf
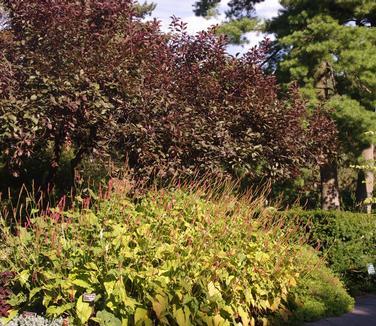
81, 283
46, 300
83, 310
182, 317
91, 266
159, 305
109, 286
141, 317
244, 316
218, 320
34, 292
59, 310
107, 318
11, 315
24, 277
213, 290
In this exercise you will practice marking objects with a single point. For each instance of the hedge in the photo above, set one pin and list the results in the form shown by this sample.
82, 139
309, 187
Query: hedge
347, 240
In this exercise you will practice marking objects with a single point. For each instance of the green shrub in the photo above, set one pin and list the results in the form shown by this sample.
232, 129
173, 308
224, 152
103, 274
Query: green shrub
173, 257
347, 241
319, 293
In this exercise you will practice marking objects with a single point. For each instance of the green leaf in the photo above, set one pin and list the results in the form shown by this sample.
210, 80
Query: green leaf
159, 306
105, 318
96, 86
83, 310
92, 266
213, 290
59, 310
218, 320
109, 286
46, 300
24, 277
141, 317
120, 292
82, 283
17, 300
34, 291
244, 316
182, 316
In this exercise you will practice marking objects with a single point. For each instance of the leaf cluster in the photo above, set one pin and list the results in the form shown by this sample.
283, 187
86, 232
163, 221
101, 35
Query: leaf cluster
320, 292
174, 258
92, 78
5, 293
332, 40
236, 29
346, 239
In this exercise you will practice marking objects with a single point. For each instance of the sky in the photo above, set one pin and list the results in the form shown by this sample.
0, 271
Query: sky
184, 10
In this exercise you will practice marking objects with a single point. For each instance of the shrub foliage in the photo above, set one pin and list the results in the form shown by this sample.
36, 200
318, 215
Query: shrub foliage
5, 293
347, 241
92, 77
174, 257
320, 293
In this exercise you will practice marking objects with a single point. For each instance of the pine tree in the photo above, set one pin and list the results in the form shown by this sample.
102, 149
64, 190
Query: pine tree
339, 38
240, 17
145, 8
237, 8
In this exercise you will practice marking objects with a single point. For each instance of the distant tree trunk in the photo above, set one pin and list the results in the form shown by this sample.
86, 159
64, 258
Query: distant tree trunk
325, 87
364, 189
329, 186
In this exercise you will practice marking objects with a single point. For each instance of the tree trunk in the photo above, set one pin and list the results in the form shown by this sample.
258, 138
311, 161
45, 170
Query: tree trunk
73, 165
364, 189
325, 86
329, 186
49, 182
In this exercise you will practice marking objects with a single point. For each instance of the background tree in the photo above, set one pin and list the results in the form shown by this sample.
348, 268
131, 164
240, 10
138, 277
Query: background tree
145, 8
71, 64
240, 17
215, 114
329, 48
336, 39
237, 8
91, 78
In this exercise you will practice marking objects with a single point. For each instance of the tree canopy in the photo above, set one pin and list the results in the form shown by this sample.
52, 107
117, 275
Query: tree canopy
341, 35
93, 78
329, 48
240, 17
237, 8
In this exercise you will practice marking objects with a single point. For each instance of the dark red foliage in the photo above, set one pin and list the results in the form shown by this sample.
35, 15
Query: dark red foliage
215, 113
75, 66
92, 77
323, 137
5, 292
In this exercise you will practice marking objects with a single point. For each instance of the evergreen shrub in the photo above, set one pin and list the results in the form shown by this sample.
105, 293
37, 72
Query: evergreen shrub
320, 293
347, 241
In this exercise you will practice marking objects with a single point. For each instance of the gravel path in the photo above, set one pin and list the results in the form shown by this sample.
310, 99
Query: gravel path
364, 314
